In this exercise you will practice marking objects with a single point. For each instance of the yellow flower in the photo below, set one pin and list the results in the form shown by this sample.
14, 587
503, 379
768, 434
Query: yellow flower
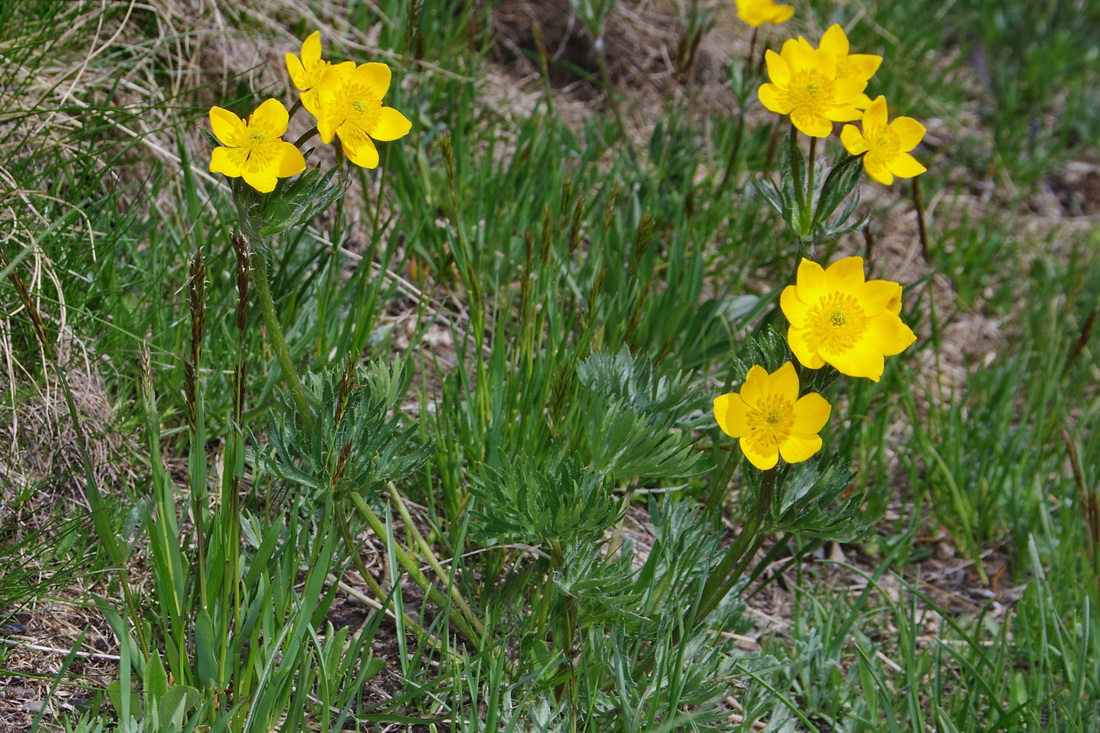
804, 85
859, 66
838, 318
255, 149
770, 419
307, 72
351, 109
885, 146
758, 12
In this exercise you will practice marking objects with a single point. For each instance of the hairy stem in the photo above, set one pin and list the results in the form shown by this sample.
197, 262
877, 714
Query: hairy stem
275, 334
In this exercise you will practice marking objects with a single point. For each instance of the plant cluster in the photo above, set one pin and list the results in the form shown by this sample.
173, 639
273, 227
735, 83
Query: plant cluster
478, 510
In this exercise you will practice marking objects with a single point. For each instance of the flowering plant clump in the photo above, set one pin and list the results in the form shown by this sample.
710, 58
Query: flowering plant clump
804, 84
349, 106
840, 319
885, 145
255, 149
758, 12
770, 419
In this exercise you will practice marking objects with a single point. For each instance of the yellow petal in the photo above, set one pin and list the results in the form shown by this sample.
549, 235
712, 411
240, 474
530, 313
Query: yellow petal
375, 76
810, 123
875, 116
853, 140
391, 125
848, 93
863, 65
358, 147
824, 62
834, 41
797, 448
784, 382
291, 162
263, 180
811, 413
774, 100
311, 100
781, 14
811, 282
762, 456
311, 48
877, 169
731, 413
778, 71
327, 125
271, 117
909, 132
894, 306
905, 165
755, 389
874, 296
336, 76
800, 347
795, 55
888, 334
845, 274
862, 360
297, 72
794, 309
228, 161
228, 127
845, 113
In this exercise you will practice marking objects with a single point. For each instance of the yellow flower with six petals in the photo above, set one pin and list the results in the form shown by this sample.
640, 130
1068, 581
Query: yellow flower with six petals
804, 85
350, 107
770, 419
885, 145
859, 66
254, 148
838, 318
758, 12
308, 71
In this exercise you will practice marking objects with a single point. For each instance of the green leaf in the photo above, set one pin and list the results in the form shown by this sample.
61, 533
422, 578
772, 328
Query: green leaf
156, 681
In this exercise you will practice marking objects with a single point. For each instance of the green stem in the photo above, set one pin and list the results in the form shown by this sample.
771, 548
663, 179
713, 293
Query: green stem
808, 210
412, 568
414, 533
372, 584
305, 137
725, 576
275, 334
605, 77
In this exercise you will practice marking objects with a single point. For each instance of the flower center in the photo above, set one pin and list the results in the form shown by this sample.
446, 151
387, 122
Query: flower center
770, 424
811, 91
885, 142
836, 324
360, 107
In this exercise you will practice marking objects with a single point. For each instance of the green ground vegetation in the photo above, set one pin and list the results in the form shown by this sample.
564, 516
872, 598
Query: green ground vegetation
502, 507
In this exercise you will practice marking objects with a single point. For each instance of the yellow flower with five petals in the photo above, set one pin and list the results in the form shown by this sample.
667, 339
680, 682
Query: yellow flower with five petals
308, 71
885, 145
838, 318
804, 85
254, 149
350, 108
770, 419
758, 12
